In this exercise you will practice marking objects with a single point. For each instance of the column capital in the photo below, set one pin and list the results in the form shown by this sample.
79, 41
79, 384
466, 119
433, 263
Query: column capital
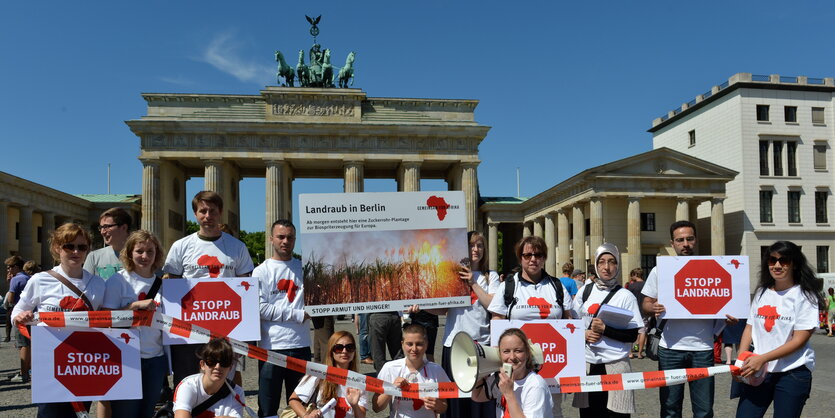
716, 200
493, 224
207, 161
272, 162
411, 163
633, 198
469, 164
150, 162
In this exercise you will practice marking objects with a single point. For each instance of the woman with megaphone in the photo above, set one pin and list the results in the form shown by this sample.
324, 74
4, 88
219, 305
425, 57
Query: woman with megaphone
522, 392
607, 346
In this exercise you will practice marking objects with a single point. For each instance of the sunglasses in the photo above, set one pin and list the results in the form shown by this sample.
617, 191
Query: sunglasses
212, 362
338, 348
528, 256
784, 261
82, 248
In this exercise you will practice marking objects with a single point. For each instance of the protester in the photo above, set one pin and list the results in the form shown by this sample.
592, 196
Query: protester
579, 277
473, 319
114, 225
210, 391
67, 287
607, 347
831, 314
384, 332
413, 368
636, 285
14, 270
18, 277
350, 402
532, 293
285, 327
136, 287
523, 393
780, 323
567, 280
209, 252
361, 323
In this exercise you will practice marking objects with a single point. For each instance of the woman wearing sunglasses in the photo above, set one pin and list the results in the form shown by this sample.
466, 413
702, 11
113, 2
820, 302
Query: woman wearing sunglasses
210, 390
313, 393
67, 287
783, 316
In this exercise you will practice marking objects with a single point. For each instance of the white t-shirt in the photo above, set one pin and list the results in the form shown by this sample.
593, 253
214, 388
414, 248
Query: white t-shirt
46, 294
281, 296
124, 288
405, 407
682, 334
473, 319
773, 318
194, 258
103, 262
532, 393
607, 349
342, 409
190, 393
535, 301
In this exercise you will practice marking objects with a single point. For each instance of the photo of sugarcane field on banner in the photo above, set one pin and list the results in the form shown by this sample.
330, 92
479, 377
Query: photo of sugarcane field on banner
378, 252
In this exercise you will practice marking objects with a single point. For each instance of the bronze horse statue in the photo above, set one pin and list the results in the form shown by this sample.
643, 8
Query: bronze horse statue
284, 70
302, 72
347, 72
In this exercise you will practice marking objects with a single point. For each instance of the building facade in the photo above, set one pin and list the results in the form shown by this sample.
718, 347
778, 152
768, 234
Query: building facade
777, 132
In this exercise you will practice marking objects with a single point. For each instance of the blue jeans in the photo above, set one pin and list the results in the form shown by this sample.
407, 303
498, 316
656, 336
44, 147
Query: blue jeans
789, 391
153, 369
365, 349
271, 378
701, 391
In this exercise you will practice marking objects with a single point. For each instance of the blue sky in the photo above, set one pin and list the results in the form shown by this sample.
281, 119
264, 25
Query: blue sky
564, 85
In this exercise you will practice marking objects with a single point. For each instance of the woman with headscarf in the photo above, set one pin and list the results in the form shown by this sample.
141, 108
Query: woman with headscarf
607, 347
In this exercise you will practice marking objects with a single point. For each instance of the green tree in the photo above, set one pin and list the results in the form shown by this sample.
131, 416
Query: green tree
191, 227
255, 244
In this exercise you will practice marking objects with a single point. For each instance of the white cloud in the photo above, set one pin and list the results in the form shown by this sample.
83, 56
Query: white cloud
177, 80
223, 54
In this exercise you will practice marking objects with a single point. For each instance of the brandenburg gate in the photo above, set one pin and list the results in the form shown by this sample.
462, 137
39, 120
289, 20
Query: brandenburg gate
285, 133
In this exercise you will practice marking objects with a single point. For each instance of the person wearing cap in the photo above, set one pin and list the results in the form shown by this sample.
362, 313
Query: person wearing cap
607, 347
579, 277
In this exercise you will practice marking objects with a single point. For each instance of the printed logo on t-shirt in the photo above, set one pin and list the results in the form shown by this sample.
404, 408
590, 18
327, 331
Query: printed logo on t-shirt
211, 263
289, 287
417, 404
770, 315
473, 297
143, 296
342, 408
593, 308
503, 403
71, 304
542, 304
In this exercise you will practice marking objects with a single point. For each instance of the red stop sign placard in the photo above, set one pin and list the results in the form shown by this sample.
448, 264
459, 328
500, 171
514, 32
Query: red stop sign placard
88, 363
703, 287
553, 347
212, 305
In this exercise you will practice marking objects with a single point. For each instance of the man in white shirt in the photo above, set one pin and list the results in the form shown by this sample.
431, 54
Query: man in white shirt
685, 343
285, 327
208, 252
114, 225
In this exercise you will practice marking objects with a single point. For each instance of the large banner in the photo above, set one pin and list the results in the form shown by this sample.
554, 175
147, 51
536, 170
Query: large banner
703, 286
75, 364
562, 342
227, 306
377, 252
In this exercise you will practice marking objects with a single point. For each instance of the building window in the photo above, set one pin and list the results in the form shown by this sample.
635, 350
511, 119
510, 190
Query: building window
763, 158
762, 113
794, 207
819, 157
821, 215
778, 158
817, 116
823, 258
647, 263
692, 135
587, 224
648, 221
791, 158
791, 113
766, 215
40, 234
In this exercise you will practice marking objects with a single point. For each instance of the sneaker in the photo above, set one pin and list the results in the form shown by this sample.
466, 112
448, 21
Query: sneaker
18, 378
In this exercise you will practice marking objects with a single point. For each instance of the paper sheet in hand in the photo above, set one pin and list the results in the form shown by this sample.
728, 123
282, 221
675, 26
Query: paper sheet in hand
615, 317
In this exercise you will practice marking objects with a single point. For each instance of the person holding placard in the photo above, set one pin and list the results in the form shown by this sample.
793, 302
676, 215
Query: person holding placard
522, 392
317, 398
607, 345
782, 319
67, 287
210, 391
136, 287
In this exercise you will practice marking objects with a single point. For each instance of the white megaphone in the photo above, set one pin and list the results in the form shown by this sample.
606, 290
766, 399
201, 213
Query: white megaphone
470, 361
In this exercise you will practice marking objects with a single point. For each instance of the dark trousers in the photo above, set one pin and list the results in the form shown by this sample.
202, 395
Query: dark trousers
271, 378
788, 390
597, 400
59, 410
153, 370
464, 407
384, 331
701, 391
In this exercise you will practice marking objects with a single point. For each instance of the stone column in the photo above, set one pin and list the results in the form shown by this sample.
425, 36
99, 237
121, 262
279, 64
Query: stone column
579, 221
595, 223
26, 241
469, 184
717, 226
151, 198
682, 210
633, 234
46, 229
551, 242
564, 252
537, 227
453, 177
4, 232
409, 176
493, 245
213, 177
354, 176
527, 229
276, 204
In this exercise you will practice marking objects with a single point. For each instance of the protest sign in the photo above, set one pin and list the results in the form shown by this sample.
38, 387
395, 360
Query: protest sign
703, 286
227, 306
73, 364
562, 342
376, 252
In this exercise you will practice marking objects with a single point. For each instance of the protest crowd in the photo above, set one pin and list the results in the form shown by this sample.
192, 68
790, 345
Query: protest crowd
194, 380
